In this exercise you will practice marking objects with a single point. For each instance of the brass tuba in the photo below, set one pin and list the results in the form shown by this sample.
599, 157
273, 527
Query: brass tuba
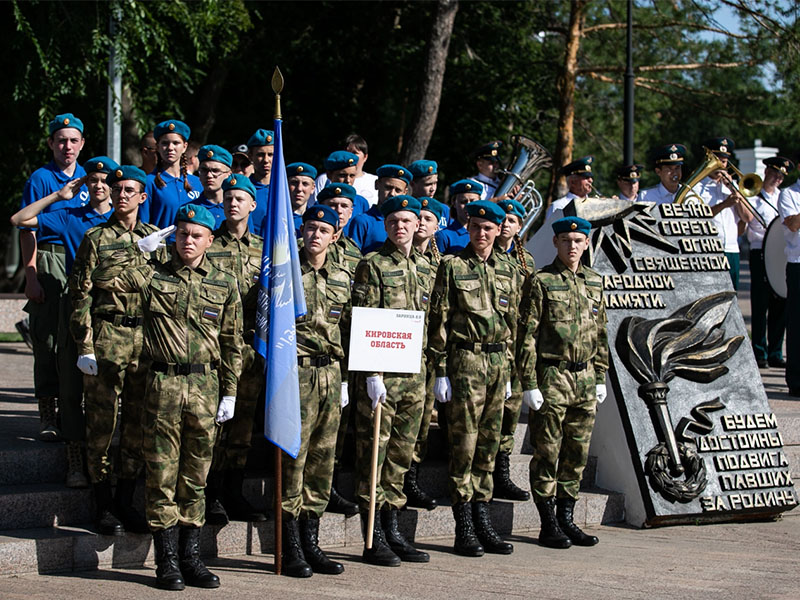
527, 158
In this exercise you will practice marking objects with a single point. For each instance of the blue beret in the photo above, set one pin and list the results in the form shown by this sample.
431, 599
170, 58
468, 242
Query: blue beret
301, 169
262, 137
191, 213
512, 207
466, 186
486, 209
325, 214
216, 154
671, 154
100, 164
721, 146
423, 168
127, 173
570, 224
489, 151
341, 159
582, 166
396, 172
780, 164
337, 190
172, 126
401, 202
239, 182
432, 206
64, 121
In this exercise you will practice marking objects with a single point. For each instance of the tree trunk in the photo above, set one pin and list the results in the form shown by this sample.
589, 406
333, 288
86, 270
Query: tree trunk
130, 132
566, 94
431, 95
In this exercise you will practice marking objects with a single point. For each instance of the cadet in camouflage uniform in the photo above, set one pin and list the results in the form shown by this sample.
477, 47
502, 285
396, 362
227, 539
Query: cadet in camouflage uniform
424, 241
321, 337
341, 198
107, 328
509, 242
192, 336
237, 251
472, 334
565, 338
397, 276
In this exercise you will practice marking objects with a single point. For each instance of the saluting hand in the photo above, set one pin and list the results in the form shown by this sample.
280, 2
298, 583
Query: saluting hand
155, 240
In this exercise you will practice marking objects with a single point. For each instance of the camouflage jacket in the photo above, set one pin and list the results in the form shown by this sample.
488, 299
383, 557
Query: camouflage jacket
345, 252
190, 315
89, 302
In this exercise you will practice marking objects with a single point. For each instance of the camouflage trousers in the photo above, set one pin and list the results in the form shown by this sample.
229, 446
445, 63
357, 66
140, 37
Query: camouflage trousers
421, 447
178, 444
307, 478
43, 320
400, 418
511, 410
120, 374
235, 436
561, 431
70, 378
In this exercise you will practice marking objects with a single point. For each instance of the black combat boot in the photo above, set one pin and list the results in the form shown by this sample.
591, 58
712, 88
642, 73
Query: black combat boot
467, 543
416, 496
131, 518
315, 557
380, 554
168, 575
105, 521
399, 544
490, 539
294, 561
215, 511
550, 534
565, 510
338, 503
236, 505
193, 570
503, 486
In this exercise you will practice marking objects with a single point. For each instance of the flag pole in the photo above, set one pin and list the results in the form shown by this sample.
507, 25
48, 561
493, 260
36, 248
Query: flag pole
277, 88
373, 474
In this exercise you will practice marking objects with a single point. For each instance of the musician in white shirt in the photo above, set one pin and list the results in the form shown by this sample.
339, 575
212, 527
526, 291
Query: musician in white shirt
668, 161
628, 177
789, 211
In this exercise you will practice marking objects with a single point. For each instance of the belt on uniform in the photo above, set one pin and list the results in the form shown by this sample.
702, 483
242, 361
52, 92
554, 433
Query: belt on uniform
478, 347
57, 248
183, 368
322, 360
575, 367
121, 320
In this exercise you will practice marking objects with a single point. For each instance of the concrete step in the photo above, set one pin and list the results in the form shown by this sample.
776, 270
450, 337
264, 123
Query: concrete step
60, 549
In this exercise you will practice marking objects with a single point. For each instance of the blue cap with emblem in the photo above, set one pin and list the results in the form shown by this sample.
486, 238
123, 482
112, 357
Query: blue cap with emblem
572, 224
172, 126
100, 164
322, 213
466, 186
398, 203
337, 190
341, 159
432, 206
395, 172
262, 137
64, 121
486, 209
192, 213
214, 153
423, 168
238, 181
301, 169
512, 207
127, 173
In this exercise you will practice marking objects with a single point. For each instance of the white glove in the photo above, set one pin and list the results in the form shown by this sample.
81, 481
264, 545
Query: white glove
87, 363
345, 395
533, 399
376, 390
442, 390
225, 410
508, 390
155, 240
600, 390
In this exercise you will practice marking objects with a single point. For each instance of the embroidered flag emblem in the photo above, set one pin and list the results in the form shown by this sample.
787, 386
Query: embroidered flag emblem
504, 301
210, 313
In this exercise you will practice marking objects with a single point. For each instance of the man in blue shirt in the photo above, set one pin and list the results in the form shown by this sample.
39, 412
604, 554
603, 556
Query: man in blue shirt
215, 166
301, 178
367, 230
342, 167
261, 147
425, 183
454, 238
43, 259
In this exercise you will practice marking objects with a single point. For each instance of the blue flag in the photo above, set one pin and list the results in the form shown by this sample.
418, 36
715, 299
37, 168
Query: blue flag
280, 302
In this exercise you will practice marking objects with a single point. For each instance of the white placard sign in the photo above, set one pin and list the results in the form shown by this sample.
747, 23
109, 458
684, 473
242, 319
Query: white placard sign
386, 340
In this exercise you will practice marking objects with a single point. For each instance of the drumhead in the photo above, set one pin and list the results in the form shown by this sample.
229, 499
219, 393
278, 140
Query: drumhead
775, 257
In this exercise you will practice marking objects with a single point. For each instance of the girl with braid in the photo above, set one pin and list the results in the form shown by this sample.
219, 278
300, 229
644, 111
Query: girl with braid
170, 185
510, 242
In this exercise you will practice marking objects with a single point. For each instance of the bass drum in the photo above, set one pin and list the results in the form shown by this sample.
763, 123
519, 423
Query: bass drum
775, 257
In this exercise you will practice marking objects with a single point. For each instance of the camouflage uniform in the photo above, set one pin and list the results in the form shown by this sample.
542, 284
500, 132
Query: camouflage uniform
242, 259
565, 339
321, 336
388, 279
109, 325
192, 335
472, 332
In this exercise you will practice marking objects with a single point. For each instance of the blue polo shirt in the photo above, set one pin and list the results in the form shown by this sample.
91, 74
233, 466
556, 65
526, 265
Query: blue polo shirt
298, 221
162, 204
367, 230
69, 224
452, 239
360, 206
217, 211
257, 216
43, 182
445, 220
